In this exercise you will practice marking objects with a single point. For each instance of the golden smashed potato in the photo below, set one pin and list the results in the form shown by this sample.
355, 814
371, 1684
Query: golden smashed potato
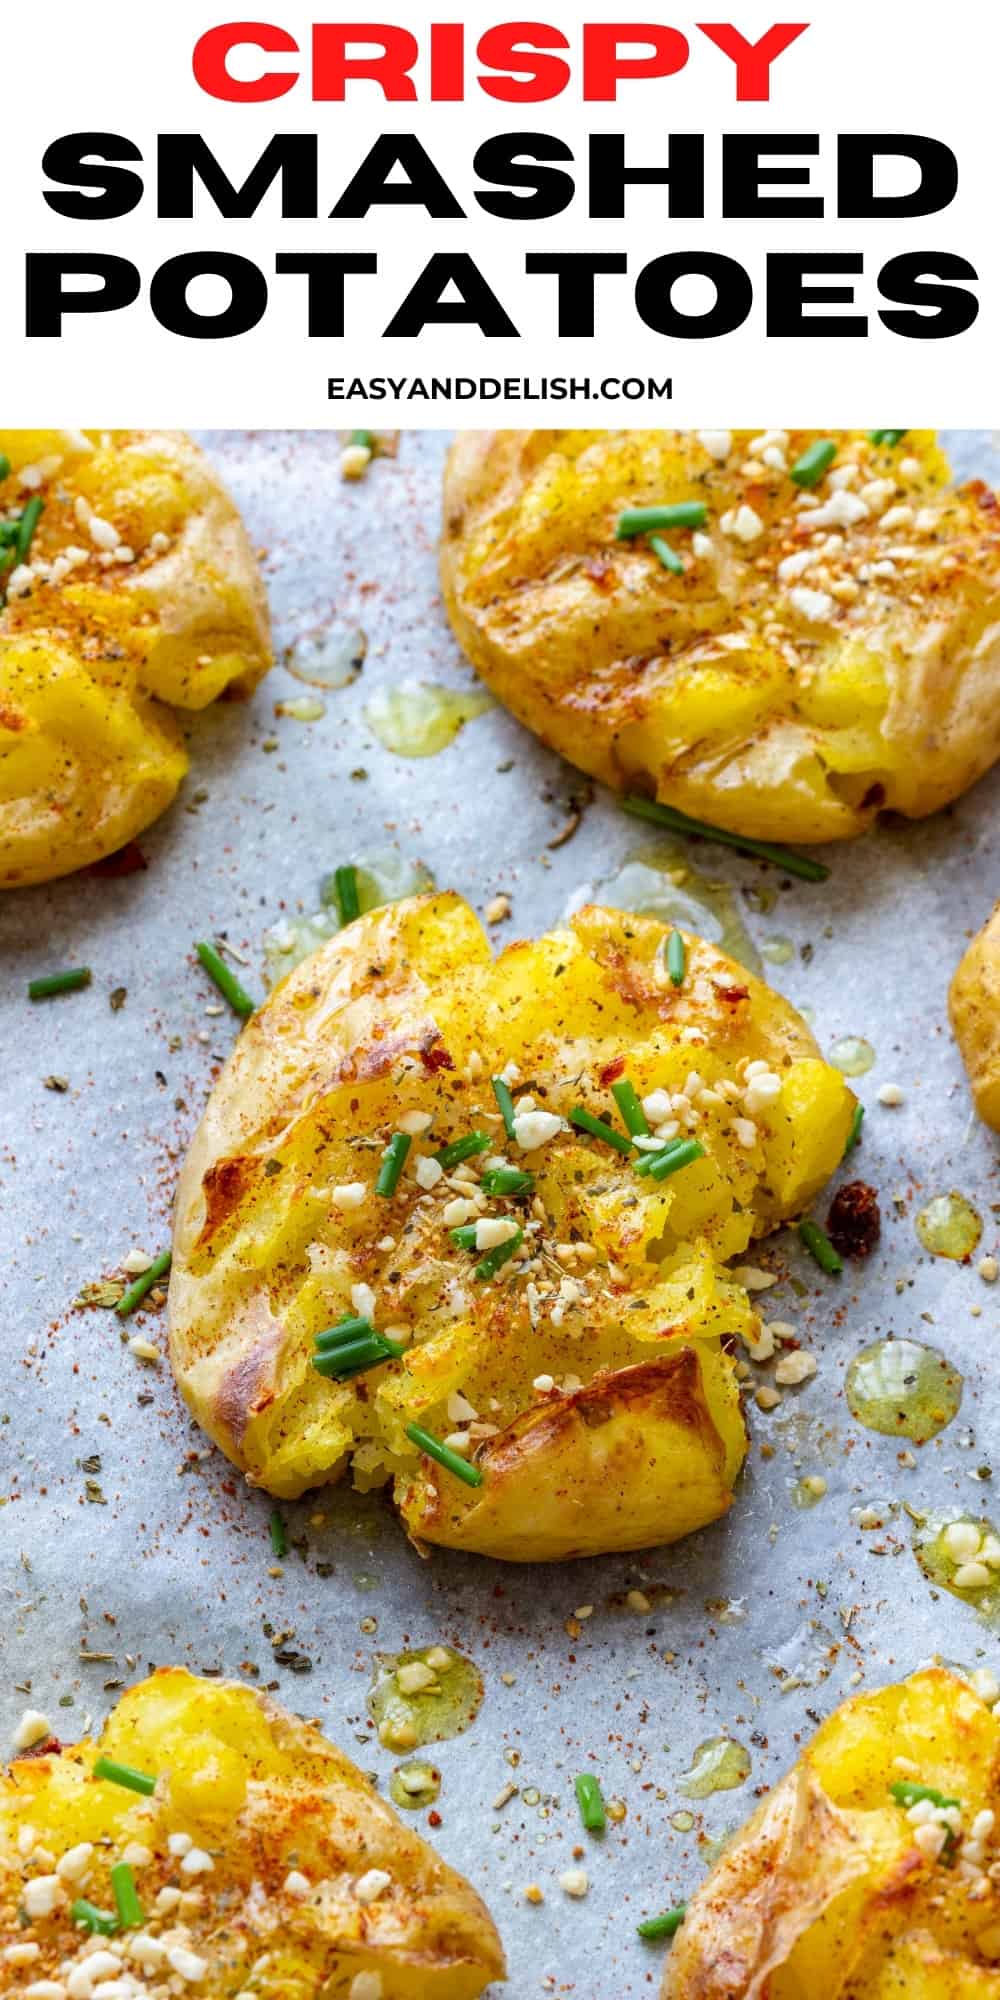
826, 652
263, 1863
849, 1882
974, 1005
128, 589
568, 1349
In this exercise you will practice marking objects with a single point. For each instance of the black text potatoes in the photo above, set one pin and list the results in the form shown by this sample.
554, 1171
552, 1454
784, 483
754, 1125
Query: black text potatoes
792, 659
566, 1343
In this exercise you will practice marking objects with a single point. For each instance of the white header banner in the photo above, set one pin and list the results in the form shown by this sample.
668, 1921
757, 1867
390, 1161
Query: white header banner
339, 216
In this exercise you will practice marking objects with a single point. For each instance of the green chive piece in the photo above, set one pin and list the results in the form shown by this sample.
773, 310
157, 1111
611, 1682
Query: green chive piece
26, 526
4, 465
393, 1162
347, 1329
907, 1794
854, 1135
465, 1237
345, 889
463, 1149
443, 1454
59, 982
130, 1912
507, 1180
137, 1291
505, 1105
666, 1926
586, 1122
765, 850
666, 555
500, 1255
366, 439
809, 469
98, 1922
646, 520
819, 1246
676, 958
590, 1802
889, 438
633, 1116
679, 1153
279, 1539
355, 1357
226, 981
123, 1774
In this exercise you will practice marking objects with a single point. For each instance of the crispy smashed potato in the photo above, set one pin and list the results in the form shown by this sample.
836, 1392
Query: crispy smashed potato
974, 1005
849, 1882
570, 1347
827, 651
263, 1864
133, 592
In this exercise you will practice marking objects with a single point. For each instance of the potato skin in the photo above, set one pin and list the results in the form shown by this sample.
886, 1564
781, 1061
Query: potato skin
262, 1792
598, 1383
92, 662
974, 1006
825, 1895
715, 692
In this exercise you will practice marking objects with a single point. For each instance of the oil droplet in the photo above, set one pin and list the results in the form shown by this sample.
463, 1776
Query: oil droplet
777, 950
718, 1766
949, 1226
326, 658
808, 1492
385, 877
440, 1695
941, 1565
414, 1786
682, 1822
903, 1389
659, 881
418, 718
304, 708
852, 1055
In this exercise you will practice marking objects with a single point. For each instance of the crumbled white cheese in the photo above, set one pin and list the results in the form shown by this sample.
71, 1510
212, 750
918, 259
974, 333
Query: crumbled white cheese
350, 1194
42, 1895
718, 444
492, 1230
416, 1123
814, 605
428, 1171
743, 524
32, 1728
296, 1884
535, 1128
363, 1300
368, 1888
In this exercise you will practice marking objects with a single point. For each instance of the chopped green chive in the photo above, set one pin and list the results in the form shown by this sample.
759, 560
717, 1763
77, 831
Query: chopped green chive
123, 1774
819, 1246
809, 469
463, 1149
676, 958
279, 1539
507, 1180
854, 1135
59, 982
226, 981
666, 555
443, 1454
679, 1153
765, 850
366, 439
888, 438
500, 1255
26, 526
137, 1291
586, 1122
348, 1328
666, 1926
647, 520
98, 1922
393, 1162
130, 1912
465, 1236
351, 1348
4, 465
505, 1104
590, 1802
633, 1116
907, 1794
345, 889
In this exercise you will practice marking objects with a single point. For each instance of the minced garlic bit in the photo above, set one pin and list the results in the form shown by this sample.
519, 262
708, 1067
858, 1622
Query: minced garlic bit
33, 1727
890, 1094
795, 1368
574, 1882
